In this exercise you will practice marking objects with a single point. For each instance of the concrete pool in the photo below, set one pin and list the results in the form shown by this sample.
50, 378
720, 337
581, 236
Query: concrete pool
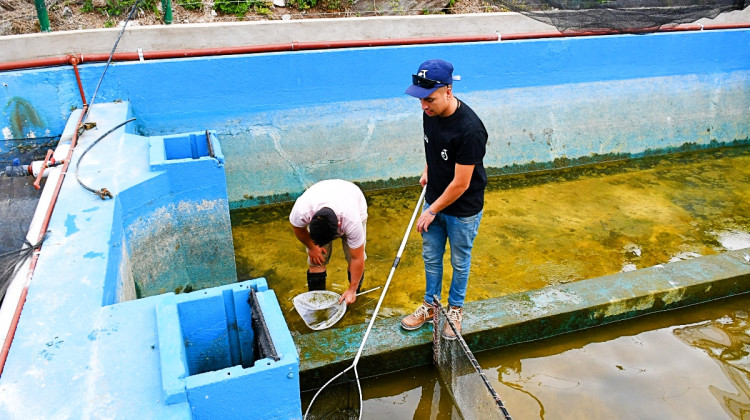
95, 351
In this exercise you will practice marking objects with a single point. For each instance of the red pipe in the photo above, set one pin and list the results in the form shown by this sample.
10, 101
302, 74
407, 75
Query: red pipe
13, 325
299, 46
38, 181
250, 49
73, 60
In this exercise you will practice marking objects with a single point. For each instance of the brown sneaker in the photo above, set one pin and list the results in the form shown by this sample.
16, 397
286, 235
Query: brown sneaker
455, 315
422, 315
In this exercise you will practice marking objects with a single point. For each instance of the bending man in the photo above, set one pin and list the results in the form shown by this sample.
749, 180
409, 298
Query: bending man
328, 210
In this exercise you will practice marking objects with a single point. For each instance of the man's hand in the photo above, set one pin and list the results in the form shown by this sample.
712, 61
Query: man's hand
459, 184
424, 221
356, 269
317, 255
349, 296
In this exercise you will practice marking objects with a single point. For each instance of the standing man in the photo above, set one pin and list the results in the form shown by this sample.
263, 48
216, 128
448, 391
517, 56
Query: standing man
328, 210
454, 142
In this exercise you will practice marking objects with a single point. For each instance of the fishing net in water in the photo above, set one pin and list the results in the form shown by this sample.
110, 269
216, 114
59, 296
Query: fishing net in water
618, 15
473, 395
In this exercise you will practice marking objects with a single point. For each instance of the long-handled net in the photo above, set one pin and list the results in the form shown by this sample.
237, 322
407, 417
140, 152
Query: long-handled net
472, 394
341, 396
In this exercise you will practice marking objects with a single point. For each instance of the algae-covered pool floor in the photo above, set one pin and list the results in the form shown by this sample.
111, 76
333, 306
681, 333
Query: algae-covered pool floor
538, 229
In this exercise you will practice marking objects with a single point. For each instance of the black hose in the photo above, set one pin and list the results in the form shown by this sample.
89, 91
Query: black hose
103, 192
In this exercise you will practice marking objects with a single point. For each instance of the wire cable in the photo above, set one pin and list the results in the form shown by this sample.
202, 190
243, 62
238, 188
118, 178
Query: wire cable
103, 192
111, 54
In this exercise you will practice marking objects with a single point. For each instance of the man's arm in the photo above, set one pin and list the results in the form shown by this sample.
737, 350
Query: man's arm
356, 268
459, 184
316, 253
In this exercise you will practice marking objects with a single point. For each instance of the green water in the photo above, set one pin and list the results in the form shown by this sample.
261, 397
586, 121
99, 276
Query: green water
538, 229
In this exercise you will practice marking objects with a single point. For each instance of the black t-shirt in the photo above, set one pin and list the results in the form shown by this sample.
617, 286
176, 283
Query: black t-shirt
459, 138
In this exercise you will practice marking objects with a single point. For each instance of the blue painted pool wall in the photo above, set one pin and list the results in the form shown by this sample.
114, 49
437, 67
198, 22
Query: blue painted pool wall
286, 120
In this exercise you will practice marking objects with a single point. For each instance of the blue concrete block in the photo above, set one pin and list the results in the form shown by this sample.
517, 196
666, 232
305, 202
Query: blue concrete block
206, 344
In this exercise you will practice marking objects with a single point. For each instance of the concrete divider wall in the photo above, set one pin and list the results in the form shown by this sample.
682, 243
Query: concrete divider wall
233, 34
532, 316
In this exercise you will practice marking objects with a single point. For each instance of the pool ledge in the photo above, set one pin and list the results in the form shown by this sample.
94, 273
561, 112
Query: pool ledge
529, 316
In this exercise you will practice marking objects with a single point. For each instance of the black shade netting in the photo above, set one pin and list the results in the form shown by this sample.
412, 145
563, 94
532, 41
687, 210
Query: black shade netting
618, 15
263, 345
11, 262
339, 400
460, 374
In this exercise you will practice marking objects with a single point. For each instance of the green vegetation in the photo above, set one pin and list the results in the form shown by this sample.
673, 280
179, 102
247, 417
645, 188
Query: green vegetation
240, 7
114, 8
191, 4
303, 4
232, 7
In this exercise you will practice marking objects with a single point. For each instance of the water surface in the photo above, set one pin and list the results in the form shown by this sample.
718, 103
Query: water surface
687, 364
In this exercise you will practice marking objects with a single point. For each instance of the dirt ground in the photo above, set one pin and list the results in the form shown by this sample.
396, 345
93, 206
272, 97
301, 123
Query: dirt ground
20, 17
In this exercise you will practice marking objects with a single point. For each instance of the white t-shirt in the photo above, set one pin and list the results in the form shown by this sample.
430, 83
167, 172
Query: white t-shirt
344, 198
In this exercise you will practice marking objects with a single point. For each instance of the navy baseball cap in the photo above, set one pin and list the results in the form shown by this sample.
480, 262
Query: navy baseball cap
432, 74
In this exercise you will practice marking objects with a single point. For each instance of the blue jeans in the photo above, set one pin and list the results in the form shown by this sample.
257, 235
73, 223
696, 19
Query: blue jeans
460, 231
